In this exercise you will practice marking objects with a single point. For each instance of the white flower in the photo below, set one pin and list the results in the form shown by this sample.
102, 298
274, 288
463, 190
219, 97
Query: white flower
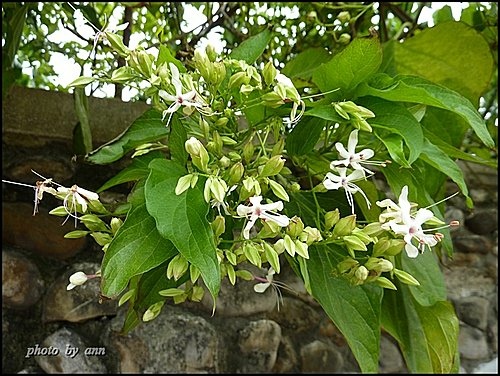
179, 98
352, 158
335, 182
264, 212
77, 279
76, 195
396, 212
411, 228
261, 287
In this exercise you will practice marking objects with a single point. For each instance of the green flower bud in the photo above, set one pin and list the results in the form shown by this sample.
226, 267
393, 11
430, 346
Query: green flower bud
360, 123
289, 245
238, 79
340, 110
198, 153
197, 293
279, 246
244, 274
272, 99
301, 249
101, 238
269, 73
385, 283
331, 218
153, 311
228, 141
310, 235
273, 166
219, 72
122, 75
271, 256
346, 265
373, 229
218, 188
225, 162
221, 122
344, 16
183, 184
236, 173
146, 63
205, 128
362, 235
246, 89
234, 156
406, 278
361, 274
295, 227
345, 226
116, 43
211, 53
295, 187
115, 224
248, 151
177, 267
344, 38
219, 225
354, 243
251, 252
379, 265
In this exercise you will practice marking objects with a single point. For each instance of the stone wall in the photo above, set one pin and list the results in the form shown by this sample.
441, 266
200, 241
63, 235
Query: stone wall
43, 325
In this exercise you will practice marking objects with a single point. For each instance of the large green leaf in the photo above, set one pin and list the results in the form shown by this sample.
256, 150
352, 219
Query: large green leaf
438, 159
304, 136
463, 64
136, 248
357, 62
355, 310
250, 49
177, 140
427, 335
138, 169
147, 128
305, 63
419, 90
396, 119
182, 219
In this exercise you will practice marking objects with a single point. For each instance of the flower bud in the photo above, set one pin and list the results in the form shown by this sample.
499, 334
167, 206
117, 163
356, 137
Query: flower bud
310, 235
177, 267
248, 151
273, 166
354, 243
344, 16
361, 274
269, 73
116, 43
145, 63
295, 227
344, 38
302, 249
252, 253
246, 89
346, 265
122, 75
115, 224
225, 162
218, 188
331, 218
289, 245
360, 123
77, 279
198, 153
153, 311
406, 278
279, 246
211, 53
238, 79
385, 283
379, 265
219, 225
295, 187
345, 226
236, 173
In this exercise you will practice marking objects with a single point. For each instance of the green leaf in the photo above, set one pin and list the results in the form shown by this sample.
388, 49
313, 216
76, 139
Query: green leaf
147, 128
427, 335
166, 56
435, 157
250, 49
82, 138
182, 219
425, 269
355, 310
305, 63
176, 141
326, 112
136, 248
82, 81
346, 70
15, 31
418, 90
395, 118
304, 136
137, 170
463, 64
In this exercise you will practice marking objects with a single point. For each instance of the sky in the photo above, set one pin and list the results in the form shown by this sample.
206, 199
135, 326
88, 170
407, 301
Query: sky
67, 70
